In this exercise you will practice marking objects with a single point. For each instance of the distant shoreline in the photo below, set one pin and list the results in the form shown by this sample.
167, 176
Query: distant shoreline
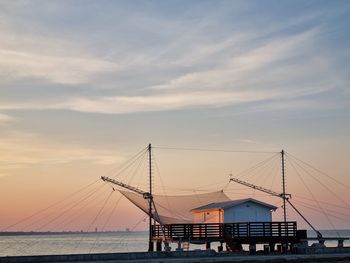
28, 233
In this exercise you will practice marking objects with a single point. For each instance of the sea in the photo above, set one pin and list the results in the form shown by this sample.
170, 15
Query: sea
20, 244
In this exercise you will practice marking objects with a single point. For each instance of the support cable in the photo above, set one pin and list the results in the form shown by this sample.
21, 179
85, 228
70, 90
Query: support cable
317, 210
209, 150
141, 162
331, 211
71, 207
323, 202
313, 196
256, 166
106, 222
321, 172
132, 229
78, 215
134, 159
94, 220
48, 207
325, 186
30, 245
162, 184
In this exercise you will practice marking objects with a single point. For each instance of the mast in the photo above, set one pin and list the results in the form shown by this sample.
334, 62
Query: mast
150, 201
285, 197
284, 187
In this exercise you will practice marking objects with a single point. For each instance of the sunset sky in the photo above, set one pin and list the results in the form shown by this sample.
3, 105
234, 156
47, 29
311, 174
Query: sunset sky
85, 85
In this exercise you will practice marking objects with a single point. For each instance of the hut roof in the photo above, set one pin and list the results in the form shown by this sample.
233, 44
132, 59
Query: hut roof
232, 203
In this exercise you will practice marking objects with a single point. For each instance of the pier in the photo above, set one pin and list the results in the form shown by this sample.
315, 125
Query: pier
233, 234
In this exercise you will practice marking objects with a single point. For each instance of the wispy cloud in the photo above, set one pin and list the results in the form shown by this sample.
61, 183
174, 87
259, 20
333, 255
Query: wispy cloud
257, 74
20, 150
187, 65
4, 118
57, 69
128, 104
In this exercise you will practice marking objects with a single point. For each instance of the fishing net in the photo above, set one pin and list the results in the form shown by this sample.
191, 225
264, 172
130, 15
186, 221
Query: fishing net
176, 209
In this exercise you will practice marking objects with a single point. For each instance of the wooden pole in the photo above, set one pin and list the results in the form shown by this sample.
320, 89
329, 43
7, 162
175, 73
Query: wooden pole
150, 245
284, 187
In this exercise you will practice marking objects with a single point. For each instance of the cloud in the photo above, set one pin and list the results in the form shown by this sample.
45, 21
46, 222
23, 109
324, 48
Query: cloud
128, 104
57, 69
161, 102
20, 150
50, 58
4, 118
179, 72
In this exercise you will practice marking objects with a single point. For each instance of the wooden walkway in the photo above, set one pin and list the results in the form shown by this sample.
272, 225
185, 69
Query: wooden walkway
243, 233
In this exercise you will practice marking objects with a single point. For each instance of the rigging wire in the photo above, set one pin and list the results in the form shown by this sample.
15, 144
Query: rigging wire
274, 172
315, 209
209, 150
30, 245
323, 202
256, 166
44, 217
132, 229
325, 186
328, 210
321, 172
202, 187
94, 220
48, 207
133, 173
162, 184
90, 194
260, 168
74, 205
131, 162
263, 173
127, 164
65, 198
313, 196
72, 218
106, 222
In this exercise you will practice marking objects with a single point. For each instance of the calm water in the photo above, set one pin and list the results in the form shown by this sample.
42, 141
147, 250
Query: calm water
74, 243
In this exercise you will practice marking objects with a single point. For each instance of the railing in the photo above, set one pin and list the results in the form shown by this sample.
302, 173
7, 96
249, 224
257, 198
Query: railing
217, 231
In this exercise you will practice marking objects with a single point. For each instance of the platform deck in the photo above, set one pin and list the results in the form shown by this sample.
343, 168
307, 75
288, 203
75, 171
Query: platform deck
244, 233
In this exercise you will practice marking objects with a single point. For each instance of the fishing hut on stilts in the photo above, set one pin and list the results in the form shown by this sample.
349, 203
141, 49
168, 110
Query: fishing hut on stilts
210, 217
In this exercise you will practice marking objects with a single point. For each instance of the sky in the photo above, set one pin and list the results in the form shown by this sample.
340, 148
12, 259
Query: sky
85, 85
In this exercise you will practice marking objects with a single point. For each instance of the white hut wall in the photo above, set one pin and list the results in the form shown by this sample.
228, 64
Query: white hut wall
248, 212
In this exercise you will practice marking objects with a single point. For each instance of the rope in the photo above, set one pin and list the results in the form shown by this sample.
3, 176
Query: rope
47, 208
125, 166
162, 184
209, 150
323, 202
312, 208
141, 162
91, 193
274, 177
328, 210
321, 172
132, 229
313, 196
246, 172
136, 157
94, 220
262, 167
307, 172
72, 218
106, 222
